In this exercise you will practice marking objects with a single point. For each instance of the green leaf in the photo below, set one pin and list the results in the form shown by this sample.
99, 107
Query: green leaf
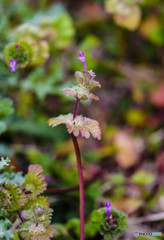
12, 197
6, 108
16, 236
74, 226
4, 163
142, 177
11, 177
5, 150
3, 127
4, 232
42, 230
60, 29
3, 212
110, 227
60, 230
35, 181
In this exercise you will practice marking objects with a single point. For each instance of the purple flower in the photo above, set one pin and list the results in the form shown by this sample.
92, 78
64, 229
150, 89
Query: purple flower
82, 59
108, 208
12, 65
17, 46
38, 209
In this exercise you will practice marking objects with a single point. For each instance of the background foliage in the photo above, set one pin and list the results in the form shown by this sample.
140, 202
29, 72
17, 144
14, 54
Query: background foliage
127, 55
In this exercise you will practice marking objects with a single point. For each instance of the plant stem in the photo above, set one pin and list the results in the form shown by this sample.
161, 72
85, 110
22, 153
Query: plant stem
76, 108
20, 215
81, 180
80, 172
62, 190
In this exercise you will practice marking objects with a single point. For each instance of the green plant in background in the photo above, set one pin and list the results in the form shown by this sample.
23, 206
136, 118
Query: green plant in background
110, 222
33, 44
20, 198
6, 109
58, 30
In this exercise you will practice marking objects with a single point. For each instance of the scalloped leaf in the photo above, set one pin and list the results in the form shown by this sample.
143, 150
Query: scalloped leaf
59, 29
35, 181
40, 231
79, 126
79, 92
4, 163
38, 213
39, 200
11, 197
11, 177
86, 79
37, 225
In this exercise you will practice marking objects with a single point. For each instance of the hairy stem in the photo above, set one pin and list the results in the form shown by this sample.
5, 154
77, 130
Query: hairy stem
76, 108
81, 180
80, 172
20, 215
62, 190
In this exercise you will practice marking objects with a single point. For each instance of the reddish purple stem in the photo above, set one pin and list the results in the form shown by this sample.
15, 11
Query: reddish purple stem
76, 108
80, 172
79, 165
20, 215
63, 190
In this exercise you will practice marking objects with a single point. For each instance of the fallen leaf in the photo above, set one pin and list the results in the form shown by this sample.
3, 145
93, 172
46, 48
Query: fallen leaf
131, 20
157, 96
128, 149
128, 205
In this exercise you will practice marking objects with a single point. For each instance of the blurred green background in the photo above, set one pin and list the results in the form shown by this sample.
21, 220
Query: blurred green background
123, 42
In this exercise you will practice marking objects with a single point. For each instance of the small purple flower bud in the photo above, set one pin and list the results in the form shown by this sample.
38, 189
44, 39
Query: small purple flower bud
82, 59
81, 54
12, 65
108, 208
38, 210
17, 46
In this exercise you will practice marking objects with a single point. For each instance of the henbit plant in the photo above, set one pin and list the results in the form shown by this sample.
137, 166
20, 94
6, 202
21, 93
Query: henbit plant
115, 223
20, 198
79, 125
109, 221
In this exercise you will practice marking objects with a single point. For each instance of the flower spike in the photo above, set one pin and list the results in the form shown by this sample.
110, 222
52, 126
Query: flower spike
108, 209
82, 59
12, 65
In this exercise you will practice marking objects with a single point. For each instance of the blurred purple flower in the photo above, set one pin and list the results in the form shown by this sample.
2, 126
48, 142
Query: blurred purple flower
108, 208
38, 209
12, 65
17, 46
82, 59
48, 179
